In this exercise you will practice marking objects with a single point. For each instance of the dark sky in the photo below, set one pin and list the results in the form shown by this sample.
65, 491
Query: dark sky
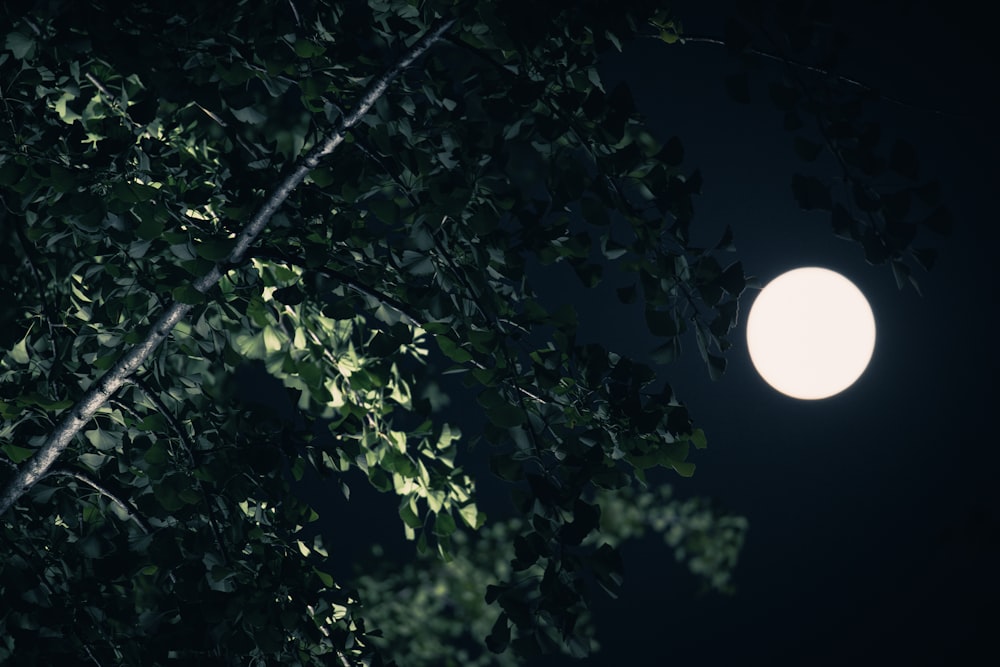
874, 517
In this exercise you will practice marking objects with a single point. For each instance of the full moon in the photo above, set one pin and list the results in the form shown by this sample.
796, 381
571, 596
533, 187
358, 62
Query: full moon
811, 333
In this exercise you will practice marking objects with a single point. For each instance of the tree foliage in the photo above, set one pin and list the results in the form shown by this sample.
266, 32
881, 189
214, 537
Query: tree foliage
449, 596
350, 194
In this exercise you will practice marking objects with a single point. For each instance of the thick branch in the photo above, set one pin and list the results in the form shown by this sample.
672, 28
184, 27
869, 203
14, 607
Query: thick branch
128, 363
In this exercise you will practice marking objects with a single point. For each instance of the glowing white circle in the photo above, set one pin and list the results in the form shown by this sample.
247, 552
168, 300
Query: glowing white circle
811, 333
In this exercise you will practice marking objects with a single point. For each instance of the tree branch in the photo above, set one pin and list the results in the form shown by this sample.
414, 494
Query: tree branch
29, 249
131, 510
413, 318
190, 448
701, 39
128, 363
91, 655
112, 100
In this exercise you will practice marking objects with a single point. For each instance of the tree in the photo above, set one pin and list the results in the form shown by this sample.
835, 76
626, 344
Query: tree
348, 193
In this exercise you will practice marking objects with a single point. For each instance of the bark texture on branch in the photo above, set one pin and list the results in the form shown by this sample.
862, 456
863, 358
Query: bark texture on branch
77, 416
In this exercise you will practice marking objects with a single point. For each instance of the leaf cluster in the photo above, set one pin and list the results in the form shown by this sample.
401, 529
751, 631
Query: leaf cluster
132, 166
878, 200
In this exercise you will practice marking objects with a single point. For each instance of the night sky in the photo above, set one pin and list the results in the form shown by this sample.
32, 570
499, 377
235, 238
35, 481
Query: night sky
874, 516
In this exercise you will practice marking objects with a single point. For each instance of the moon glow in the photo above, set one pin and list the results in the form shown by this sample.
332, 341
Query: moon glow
810, 333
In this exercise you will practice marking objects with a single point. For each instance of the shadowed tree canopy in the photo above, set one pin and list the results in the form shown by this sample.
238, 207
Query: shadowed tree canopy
351, 193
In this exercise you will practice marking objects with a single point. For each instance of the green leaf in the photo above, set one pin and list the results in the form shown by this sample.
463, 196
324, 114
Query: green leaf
842, 223
324, 577
594, 212
102, 440
452, 350
10, 172
444, 524
666, 353
133, 193
20, 351
322, 176
21, 46
386, 211
436, 327
662, 322
585, 519
733, 280
307, 49
188, 294
683, 468
94, 461
215, 250
698, 439
669, 36
249, 115
626, 294
472, 517
483, 341
149, 228
505, 467
506, 416
417, 263
167, 496
491, 398
608, 568
408, 515
291, 295
589, 274
156, 454
17, 454
716, 366
499, 636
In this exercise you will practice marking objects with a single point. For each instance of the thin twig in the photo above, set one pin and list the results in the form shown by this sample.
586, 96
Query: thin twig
212, 115
829, 141
411, 316
295, 11
50, 317
112, 100
558, 112
476, 299
189, 446
414, 318
131, 510
91, 655
701, 39
10, 117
